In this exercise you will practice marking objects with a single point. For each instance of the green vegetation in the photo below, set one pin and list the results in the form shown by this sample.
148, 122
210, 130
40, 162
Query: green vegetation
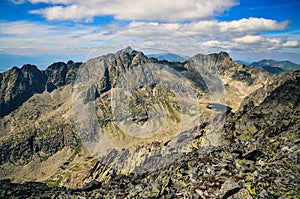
54, 182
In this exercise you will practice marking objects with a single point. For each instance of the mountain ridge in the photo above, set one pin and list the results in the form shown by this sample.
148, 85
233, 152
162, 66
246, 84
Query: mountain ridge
209, 173
276, 67
171, 57
41, 141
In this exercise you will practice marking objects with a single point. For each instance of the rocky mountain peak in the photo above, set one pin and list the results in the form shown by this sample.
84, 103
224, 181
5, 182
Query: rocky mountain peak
207, 61
224, 55
29, 67
17, 85
254, 156
70, 62
34, 75
127, 50
56, 73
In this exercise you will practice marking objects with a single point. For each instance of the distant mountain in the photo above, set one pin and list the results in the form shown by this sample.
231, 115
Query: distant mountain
243, 62
273, 70
245, 146
276, 67
7, 61
19, 84
169, 57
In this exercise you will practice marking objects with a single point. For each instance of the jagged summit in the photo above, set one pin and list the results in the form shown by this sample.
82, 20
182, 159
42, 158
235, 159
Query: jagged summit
19, 84
29, 67
210, 59
60, 74
40, 140
127, 50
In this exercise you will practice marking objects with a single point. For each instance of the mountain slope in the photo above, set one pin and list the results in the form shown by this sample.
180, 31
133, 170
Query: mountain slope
53, 113
18, 85
260, 160
276, 67
51, 137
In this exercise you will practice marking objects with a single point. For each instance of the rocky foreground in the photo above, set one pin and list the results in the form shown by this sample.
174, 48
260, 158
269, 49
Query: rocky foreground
257, 156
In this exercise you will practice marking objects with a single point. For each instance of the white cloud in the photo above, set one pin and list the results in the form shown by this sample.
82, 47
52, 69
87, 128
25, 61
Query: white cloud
154, 10
40, 37
253, 43
293, 43
263, 41
72, 12
22, 28
187, 39
180, 26
253, 25
213, 27
250, 39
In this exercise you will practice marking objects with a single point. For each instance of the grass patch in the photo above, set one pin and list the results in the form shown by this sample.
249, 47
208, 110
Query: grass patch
76, 150
54, 182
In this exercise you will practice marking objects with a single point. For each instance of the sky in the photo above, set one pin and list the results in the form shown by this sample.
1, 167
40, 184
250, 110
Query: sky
44, 31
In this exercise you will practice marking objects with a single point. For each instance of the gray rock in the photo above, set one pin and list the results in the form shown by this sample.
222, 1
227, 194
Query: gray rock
228, 189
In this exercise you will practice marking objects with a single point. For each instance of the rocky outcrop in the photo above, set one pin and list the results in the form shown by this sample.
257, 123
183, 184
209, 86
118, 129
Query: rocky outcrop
41, 142
21, 87
18, 85
257, 155
61, 74
56, 73
261, 159
114, 66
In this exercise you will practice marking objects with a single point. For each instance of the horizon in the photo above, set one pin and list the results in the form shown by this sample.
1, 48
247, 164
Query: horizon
48, 31
149, 99
41, 64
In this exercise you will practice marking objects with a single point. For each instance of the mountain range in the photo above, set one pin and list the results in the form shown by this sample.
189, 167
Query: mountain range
125, 125
7, 61
276, 67
171, 57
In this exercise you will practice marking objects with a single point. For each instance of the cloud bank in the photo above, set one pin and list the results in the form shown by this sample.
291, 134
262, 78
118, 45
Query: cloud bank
154, 10
240, 34
181, 26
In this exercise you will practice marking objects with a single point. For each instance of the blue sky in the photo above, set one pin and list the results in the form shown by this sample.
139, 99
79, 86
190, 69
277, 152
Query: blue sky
57, 30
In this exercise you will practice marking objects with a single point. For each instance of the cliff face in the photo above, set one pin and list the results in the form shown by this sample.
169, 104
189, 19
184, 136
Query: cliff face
61, 74
217, 133
260, 160
18, 85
